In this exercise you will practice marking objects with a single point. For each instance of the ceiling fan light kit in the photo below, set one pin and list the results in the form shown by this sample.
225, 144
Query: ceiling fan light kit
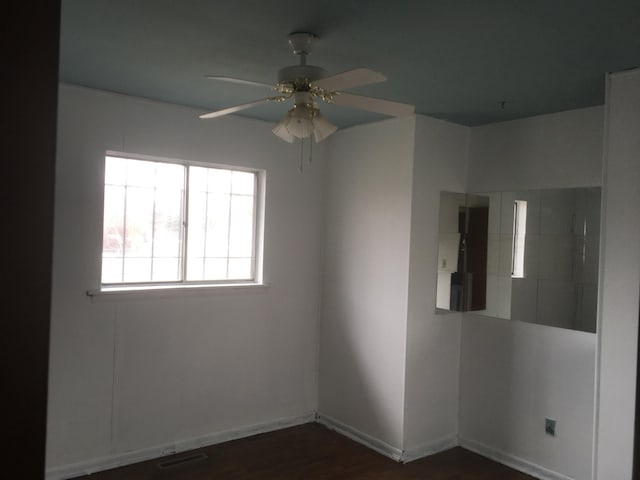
299, 121
306, 83
322, 127
304, 120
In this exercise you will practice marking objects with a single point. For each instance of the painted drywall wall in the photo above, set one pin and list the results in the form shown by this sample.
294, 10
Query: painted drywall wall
513, 375
516, 374
130, 375
548, 151
363, 329
433, 341
620, 279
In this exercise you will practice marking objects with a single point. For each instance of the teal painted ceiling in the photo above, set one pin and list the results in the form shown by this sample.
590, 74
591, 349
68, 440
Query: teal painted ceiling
466, 61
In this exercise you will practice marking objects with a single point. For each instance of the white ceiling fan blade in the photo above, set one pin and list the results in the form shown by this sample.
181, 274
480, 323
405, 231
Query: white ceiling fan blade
349, 79
239, 81
244, 106
378, 105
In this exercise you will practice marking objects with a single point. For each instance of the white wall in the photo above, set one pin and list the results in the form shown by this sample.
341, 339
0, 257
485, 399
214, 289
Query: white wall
620, 278
515, 374
368, 220
433, 341
132, 375
137, 375
548, 151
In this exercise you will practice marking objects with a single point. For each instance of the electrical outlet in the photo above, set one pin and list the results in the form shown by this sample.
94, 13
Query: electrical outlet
550, 427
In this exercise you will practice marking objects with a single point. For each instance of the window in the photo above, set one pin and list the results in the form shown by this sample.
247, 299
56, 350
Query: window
169, 223
519, 237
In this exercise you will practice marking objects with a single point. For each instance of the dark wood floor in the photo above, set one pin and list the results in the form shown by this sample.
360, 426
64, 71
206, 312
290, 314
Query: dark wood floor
309, 452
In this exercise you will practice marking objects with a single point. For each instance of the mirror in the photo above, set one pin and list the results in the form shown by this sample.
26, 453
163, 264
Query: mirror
542, 251
462, 252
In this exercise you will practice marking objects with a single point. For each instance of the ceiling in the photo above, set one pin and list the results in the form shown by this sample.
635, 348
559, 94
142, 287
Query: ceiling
467, 61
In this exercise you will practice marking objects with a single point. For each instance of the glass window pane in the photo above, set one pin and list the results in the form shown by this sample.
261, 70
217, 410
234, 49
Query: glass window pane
168, 223
197, 179
111, 270
215, 269
519, 237
141, 173
229, 227
197, 224
169, 175
139, 222
241, 227
243, 183
115, 171
219, 180
113, 226
144, 222
137, 269
217, 241
195, 268
240, 269
166, 269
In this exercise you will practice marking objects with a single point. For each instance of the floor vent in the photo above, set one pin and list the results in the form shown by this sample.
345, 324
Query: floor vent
183, 460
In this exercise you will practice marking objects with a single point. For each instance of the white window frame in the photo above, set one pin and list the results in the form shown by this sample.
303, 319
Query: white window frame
185, 285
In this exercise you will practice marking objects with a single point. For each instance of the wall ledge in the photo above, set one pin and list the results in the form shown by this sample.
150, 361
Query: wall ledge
127, 458
512, 461
173, 290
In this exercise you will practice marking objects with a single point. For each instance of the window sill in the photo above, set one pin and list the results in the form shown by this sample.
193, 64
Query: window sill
168, 291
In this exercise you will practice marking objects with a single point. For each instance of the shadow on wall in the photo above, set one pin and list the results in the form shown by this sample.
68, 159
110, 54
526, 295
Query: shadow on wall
359, 384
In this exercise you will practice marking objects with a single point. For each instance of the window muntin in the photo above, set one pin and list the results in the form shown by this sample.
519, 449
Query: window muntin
173, 223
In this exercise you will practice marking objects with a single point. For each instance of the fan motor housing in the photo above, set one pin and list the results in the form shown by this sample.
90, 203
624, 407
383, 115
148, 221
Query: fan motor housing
298, 73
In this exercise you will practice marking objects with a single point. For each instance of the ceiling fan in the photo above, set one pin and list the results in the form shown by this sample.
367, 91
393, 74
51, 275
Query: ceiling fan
306, 84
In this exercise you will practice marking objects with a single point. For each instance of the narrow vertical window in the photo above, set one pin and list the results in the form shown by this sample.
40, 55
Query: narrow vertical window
519, 236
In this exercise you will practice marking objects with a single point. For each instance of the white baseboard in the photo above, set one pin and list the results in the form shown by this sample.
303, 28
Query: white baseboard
426, 449
512, 461
127, 458
361, 437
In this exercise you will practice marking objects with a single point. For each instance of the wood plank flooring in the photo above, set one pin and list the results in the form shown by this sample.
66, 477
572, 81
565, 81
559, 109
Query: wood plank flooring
309, 452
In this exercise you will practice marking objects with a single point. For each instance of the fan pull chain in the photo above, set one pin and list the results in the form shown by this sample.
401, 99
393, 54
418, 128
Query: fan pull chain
310, 158
301, 154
